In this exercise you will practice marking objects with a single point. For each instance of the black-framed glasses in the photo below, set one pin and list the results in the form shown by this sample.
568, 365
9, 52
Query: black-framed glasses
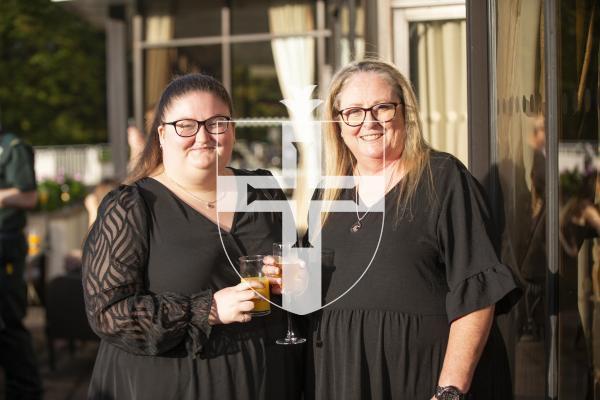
355, 116
189, 127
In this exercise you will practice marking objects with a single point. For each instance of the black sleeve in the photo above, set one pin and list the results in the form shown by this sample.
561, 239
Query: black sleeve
119, 307
475, 276
19, 169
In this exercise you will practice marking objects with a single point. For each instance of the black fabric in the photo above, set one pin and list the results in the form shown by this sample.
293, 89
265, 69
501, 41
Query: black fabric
17, 357
386, 338
151, 264
23, 380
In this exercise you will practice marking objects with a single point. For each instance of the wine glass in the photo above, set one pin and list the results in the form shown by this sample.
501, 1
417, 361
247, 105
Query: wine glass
291, 337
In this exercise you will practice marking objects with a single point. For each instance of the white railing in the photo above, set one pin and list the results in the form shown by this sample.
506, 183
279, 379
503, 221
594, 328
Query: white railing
80, 161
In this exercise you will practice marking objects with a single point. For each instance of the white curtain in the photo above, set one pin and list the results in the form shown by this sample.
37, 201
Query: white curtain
295, 56
518, 28
295, 64
159, 27
359, 41
442, 85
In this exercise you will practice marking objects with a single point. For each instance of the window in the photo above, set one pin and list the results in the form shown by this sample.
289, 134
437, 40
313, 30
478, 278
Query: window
250, 55
430, 49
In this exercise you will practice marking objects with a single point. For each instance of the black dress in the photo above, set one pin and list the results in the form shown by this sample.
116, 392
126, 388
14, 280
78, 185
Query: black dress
386, 338
151, 264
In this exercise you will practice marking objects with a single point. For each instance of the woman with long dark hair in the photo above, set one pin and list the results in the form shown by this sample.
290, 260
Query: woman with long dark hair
174, 318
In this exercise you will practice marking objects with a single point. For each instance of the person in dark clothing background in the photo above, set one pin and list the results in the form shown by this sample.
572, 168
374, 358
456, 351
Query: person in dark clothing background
17, 194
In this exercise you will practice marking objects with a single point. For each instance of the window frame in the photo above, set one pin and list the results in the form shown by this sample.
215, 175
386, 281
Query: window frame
226, 40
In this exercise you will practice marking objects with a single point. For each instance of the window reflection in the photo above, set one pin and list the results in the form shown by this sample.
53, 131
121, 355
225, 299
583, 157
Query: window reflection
579, 199
520, 196
163, 64
519, 182
533, 267
256, 92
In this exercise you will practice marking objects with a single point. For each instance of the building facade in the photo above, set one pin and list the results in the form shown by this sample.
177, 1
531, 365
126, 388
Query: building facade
509, 86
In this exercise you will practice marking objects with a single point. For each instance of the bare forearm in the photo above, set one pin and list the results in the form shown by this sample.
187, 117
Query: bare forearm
14, 198
468, 336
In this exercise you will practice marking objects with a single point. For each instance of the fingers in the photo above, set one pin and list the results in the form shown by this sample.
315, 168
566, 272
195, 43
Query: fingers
245, 306
244, 317
276, 288
246, 285
271, 270
275, 285
243, 285
274, 281
269, 260
247, 295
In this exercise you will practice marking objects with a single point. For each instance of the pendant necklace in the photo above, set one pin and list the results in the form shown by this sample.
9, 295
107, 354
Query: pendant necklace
357, 225
205, 203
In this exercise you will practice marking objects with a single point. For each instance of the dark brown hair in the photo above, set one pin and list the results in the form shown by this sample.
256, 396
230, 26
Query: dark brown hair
151, 157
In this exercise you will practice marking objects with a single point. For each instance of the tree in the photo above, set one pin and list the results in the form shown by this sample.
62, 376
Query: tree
52, 67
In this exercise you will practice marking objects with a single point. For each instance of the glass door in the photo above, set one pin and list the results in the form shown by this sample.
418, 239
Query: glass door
430, 48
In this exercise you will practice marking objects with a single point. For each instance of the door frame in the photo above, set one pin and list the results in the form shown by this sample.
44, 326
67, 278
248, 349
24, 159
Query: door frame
403, 12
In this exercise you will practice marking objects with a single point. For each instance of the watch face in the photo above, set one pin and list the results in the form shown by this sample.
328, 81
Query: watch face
449, 393
449, 396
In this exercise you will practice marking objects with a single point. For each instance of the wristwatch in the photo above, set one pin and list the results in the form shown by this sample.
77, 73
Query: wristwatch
449, 393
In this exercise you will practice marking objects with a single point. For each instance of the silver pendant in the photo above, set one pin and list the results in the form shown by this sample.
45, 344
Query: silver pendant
355, 227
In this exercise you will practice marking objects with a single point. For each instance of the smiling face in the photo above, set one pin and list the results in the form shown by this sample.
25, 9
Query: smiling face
374, 144
191, 157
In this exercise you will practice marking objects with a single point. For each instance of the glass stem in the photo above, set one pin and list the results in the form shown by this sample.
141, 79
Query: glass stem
290, 331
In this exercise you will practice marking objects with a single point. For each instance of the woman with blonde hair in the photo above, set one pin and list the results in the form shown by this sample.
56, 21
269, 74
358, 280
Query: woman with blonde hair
418, 324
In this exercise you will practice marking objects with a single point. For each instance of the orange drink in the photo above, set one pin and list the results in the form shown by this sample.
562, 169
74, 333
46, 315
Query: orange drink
261, 305
251, 270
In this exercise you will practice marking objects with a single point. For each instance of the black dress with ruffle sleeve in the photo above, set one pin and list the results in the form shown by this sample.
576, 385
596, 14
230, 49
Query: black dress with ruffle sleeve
414, 273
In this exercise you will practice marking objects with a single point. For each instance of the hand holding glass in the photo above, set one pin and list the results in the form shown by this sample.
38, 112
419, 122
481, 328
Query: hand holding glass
251, 270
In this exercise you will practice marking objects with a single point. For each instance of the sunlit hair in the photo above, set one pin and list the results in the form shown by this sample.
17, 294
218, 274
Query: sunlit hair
151, 158
339, 161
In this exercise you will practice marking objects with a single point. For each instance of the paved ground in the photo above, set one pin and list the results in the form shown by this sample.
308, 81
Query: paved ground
71, 378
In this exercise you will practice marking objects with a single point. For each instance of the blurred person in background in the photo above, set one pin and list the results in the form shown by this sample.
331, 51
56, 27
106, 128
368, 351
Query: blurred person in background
136, 137
17, 194
93, 200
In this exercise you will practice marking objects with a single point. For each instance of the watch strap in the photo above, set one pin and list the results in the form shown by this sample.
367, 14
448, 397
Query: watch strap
449, 393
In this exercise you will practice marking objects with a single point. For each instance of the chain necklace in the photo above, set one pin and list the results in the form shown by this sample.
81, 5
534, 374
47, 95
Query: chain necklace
357, 225
205, 203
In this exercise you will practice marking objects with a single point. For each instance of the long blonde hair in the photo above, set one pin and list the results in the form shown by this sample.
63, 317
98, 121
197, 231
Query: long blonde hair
339, 161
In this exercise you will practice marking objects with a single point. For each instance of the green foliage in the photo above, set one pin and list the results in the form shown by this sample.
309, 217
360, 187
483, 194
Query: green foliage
49, 195
256, 95
571, 181
55, 194
52, 65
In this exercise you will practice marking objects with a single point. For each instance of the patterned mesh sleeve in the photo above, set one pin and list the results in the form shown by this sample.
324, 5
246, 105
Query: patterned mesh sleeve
119, 307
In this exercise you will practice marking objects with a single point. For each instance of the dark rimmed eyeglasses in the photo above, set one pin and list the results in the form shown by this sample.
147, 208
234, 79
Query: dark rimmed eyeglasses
189, 127
355, 116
